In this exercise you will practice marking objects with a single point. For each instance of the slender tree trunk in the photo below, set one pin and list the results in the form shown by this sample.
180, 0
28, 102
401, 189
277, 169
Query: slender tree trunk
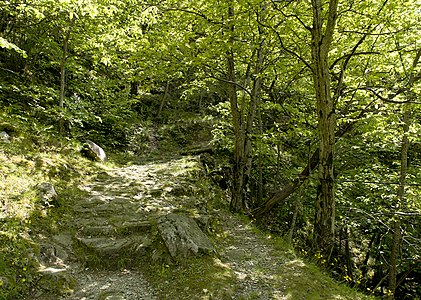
260, 162
164, 99
63, 68
364, 267
348, 257
297, 205
396, 237
324, 223
63, 75
237, 180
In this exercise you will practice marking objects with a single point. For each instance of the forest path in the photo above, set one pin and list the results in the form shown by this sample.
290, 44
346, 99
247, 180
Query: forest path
111, 232
112, 226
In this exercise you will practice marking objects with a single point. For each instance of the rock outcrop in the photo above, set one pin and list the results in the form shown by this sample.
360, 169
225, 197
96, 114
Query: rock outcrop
124, 220
183, 237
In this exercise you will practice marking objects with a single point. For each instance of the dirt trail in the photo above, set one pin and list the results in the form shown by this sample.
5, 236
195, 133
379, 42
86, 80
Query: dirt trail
111, 228
111, 232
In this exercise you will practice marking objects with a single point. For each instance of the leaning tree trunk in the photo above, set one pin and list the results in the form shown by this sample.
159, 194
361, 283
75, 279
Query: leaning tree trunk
324, 223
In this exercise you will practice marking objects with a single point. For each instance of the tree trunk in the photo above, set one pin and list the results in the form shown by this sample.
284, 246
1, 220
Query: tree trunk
364, 267
324, 223
164, 99
259, 196
242, 122
313, 162
396, 238
237, 180
348, 256
63, 76
297, 205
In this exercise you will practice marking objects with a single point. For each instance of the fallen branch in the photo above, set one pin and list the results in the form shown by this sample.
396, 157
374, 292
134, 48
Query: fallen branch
289, 188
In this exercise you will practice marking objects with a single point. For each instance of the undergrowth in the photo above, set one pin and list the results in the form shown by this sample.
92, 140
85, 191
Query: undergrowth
34, 155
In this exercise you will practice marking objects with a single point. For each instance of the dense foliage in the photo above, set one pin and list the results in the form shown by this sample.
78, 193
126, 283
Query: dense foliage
109, 70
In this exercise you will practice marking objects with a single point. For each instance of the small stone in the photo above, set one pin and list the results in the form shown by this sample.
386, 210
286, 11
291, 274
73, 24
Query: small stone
56, 280
4, 137
47, 193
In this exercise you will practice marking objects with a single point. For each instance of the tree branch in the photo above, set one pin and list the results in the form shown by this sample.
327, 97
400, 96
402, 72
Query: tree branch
231, 82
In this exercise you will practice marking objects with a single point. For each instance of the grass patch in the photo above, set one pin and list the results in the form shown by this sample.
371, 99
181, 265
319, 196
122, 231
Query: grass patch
304, 280
196, 278
24, 163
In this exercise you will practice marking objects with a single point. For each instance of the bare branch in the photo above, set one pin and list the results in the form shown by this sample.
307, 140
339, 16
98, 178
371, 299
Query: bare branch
349, 55
298, 19
231, 82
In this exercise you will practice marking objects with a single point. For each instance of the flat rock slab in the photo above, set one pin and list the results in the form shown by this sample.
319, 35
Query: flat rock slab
100, 230
106, 246
130, 227
183, 237
111, 247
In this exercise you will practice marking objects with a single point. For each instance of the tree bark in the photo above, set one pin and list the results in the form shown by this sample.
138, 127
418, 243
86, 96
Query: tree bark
396, 237
242, 121
324, 223
66, 39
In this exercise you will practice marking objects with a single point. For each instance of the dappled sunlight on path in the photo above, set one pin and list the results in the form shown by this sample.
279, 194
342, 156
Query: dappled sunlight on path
114, 240
113, 224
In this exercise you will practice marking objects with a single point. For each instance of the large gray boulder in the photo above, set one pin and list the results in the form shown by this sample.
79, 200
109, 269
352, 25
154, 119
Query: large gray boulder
183, 237
93, 151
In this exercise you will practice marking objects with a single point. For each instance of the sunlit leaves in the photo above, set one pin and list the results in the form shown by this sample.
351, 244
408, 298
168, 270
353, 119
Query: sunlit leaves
10, 46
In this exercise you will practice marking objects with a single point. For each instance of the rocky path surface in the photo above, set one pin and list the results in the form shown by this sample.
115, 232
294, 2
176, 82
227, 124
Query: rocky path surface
110, 229
112, 236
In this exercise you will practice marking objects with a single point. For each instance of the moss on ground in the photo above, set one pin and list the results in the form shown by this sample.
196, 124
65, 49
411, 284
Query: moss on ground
250, 264
196, 278
24, 163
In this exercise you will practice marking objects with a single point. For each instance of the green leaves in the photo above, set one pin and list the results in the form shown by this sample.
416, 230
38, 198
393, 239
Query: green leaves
10, 46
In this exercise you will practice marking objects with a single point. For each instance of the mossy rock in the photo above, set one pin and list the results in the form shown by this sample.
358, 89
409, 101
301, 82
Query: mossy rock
56, 281
183, 237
